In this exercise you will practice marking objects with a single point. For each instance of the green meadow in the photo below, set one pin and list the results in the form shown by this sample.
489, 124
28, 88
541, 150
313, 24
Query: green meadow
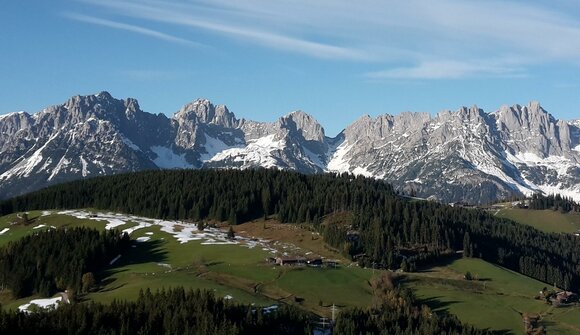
545, 220
495, 300
229, 270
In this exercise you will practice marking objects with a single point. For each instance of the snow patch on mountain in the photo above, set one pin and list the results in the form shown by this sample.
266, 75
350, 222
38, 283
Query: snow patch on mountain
167, 159
314, 158
257, 152
62, 163
361, 171
572, 192
556, 163
25, 167
483, 161
3, 116
85, 165
130, 143
560, 165
213, 146
338, 161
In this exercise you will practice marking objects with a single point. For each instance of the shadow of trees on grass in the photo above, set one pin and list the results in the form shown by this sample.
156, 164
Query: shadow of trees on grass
138, 253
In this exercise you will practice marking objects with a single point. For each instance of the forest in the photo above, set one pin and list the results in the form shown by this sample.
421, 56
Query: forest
387, 230
57, 260
554, 202
177, 311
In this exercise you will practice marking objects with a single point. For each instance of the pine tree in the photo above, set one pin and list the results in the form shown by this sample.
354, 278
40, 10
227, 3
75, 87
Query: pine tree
467, 247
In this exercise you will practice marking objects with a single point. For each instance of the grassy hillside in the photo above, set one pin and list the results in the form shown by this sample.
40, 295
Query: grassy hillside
234, 270
493, 301
162, 261
545, 220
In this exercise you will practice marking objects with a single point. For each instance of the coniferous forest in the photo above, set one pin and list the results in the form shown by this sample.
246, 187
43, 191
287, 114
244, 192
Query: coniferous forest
392, 231
174, 311
554, 202
177, 311
57, 260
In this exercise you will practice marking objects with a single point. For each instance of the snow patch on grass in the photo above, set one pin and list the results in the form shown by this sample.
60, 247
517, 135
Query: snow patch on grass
114, 260
42, 303
183, 232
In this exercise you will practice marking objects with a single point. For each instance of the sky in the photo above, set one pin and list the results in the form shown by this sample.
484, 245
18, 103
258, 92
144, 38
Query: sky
336, 60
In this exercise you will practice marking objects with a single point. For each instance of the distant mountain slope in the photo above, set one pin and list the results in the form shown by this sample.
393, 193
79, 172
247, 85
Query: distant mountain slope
466, 155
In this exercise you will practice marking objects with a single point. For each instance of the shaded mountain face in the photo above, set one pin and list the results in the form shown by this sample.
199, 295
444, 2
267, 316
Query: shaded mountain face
466, 155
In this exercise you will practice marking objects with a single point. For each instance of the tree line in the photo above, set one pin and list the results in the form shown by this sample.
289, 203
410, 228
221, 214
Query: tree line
180, 311
553, 201
174, 311
386, 230
58, 259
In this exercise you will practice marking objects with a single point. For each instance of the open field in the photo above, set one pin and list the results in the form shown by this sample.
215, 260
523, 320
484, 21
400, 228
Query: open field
288, 235
167, 254
38, 221
545, 220
493, 301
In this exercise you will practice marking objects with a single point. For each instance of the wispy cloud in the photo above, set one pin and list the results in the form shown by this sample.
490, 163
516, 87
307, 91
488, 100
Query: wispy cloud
193, 16
132, 28
446, 39
449, 70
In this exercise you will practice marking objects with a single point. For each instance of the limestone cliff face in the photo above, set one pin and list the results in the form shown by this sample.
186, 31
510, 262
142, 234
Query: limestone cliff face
467, 154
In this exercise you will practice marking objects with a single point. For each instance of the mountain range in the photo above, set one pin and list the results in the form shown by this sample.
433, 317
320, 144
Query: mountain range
465, 155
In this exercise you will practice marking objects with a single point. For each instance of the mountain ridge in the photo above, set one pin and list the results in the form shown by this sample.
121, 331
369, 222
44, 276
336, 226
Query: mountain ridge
464, 155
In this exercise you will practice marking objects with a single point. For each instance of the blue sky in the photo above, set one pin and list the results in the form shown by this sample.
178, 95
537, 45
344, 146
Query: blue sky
334, 59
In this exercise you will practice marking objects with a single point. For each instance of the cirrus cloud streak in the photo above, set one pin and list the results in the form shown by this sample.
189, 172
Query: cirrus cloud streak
447, 39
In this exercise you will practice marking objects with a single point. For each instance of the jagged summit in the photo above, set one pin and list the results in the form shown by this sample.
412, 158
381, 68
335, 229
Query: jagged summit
203, 111
305, 124
466, 154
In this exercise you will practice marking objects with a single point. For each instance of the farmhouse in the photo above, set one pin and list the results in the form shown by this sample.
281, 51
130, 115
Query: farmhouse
317, 262
296, 260
290, 260
565, 297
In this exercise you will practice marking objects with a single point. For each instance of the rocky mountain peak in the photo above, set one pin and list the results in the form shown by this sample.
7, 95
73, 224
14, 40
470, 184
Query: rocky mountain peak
410, 120
457, 155
530, 117
471, 114
203, 111
304, 124
132, 106
386, 125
